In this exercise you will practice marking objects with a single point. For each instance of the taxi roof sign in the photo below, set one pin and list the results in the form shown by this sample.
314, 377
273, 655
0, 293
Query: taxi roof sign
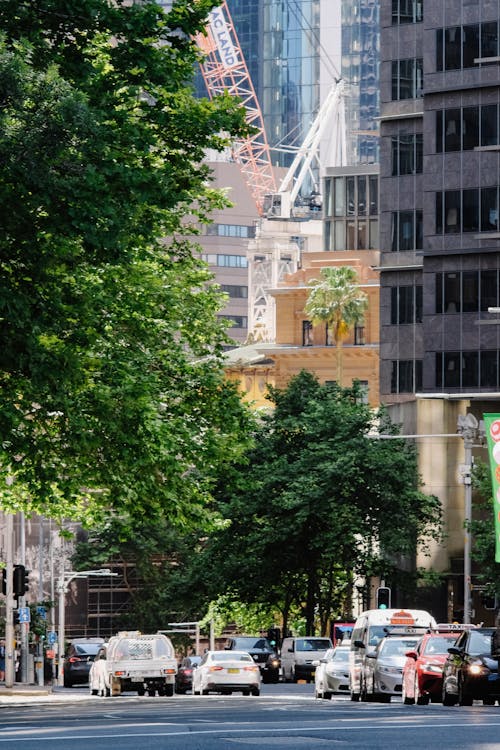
401, 617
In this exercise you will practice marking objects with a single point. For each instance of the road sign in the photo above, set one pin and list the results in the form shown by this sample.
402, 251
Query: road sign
41, 612
52, 637
24, 614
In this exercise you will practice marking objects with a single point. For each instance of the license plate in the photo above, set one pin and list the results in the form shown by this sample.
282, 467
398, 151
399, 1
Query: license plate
233, 671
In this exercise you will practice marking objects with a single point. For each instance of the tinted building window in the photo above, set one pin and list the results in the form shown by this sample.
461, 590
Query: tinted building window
407, 79
407, 154
406, 231
460, 46
407, 11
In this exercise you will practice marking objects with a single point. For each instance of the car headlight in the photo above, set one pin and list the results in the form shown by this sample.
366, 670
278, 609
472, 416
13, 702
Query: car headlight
476, 669
391, 670
430, 667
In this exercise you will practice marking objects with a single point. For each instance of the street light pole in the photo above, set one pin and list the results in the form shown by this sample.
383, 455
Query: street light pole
468, 429
62, 587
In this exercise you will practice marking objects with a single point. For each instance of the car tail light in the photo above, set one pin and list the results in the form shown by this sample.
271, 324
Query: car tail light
119, 673
188, 671
251, 669
216, 669
73, 659
169, 671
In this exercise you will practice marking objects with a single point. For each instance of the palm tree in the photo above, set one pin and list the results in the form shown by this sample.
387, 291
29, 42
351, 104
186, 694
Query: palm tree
336, 299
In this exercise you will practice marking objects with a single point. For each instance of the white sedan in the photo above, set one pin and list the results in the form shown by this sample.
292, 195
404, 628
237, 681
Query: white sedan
225, 672
332, 673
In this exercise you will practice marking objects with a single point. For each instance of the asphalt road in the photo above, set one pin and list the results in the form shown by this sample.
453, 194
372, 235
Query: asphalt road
284, 716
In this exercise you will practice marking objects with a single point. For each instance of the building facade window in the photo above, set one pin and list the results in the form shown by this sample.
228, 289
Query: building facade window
359, 336
406, 305
407, 79
230, 230
406, 376
466, 128
460, 47
467, 369
407, 11
406, 231
352, 213
238, 321
466, 291
407, 154
307, 333
472, 210
234, 291
227, 261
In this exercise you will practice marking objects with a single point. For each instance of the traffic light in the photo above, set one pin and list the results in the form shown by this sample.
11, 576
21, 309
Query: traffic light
383, 597
21, 580
4, 581
274, 637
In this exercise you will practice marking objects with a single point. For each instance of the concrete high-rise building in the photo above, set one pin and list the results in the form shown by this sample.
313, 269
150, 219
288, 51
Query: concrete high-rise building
440, 239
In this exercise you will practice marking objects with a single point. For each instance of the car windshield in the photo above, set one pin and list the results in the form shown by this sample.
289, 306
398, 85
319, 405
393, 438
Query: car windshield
129, 648
438, 645
253, 643
479, 643
231, 656
341, 655
397, 646
312, 644
87, 649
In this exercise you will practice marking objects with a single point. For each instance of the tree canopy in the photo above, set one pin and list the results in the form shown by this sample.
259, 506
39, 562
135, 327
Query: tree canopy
336, 299
112, 396
318, 504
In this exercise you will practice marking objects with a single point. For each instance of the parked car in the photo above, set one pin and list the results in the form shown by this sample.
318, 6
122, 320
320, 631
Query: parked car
98, 674
471, 670
80, 654
423, 669
383, 676
261, 652
184, 676
332, 672
226, 672
299, 654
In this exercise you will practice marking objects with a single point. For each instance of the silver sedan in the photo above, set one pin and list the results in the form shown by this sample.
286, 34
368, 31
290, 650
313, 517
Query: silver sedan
332, 673
383, 676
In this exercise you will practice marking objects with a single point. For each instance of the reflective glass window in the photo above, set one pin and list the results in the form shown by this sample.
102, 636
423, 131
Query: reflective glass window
489, 290
470, 128
489, 125
470, 45
470, 210
489, 209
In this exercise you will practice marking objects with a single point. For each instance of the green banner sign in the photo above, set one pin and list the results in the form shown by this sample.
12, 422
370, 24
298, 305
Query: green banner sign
492, 428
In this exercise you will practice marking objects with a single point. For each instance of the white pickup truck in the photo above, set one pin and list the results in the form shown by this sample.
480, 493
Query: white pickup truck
140, 662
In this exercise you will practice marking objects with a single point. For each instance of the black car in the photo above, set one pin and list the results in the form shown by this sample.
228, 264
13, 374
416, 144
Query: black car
78, 659
184, 676
261, 652
471, 670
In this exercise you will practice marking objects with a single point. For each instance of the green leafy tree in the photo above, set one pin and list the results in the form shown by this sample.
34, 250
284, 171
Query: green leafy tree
336, 299
317, 504
112, 396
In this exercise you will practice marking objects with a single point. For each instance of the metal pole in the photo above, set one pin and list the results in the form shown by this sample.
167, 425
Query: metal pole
197, 637
212, 636
9, 601
467, 521
60, 634
24, 626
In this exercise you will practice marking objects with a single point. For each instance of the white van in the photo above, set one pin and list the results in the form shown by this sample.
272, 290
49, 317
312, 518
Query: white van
298, 655
370, 627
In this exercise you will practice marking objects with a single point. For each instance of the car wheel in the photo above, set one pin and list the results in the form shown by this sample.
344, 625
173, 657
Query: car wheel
327, 695
94, 692
448, 698
407, 700
355, 697
204, 692
140, 691
245, 692
463, 698
151, 692
421, 700
168, 690
256, 692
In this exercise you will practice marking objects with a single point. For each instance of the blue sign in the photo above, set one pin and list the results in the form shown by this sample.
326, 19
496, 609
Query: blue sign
52, 637
42, 613
24, 614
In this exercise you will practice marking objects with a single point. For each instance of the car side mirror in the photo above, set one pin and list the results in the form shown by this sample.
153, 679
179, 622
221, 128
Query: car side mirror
411, 655
291, 650
454, 651
359, 644
371, 654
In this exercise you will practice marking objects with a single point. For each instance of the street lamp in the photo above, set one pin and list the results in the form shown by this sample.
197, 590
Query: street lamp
62, 587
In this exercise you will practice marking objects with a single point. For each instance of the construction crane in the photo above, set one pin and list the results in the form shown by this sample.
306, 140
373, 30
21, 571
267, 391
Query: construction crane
224, 69
331, 115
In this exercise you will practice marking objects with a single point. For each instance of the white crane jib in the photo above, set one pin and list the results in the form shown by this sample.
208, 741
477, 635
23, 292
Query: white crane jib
330, 115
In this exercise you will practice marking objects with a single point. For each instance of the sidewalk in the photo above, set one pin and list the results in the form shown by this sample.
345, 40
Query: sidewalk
27, 694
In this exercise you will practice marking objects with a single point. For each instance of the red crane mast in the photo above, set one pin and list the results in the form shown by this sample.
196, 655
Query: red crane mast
224, 69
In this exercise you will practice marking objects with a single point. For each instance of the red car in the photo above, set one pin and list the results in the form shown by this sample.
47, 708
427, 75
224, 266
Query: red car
423, 670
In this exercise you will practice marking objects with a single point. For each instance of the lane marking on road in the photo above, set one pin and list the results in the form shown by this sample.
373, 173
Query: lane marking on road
256, 731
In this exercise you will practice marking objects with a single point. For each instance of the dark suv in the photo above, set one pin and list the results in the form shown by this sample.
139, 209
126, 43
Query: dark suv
80, 653
261, 652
